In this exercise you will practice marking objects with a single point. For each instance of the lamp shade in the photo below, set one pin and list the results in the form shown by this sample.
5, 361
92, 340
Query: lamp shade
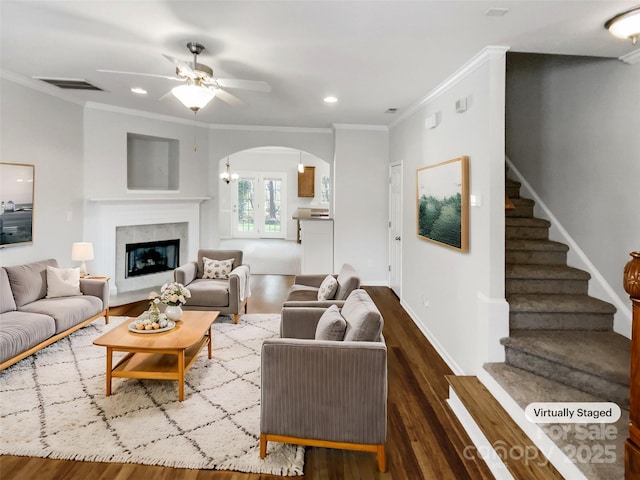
82, 251
193, 96
625, 25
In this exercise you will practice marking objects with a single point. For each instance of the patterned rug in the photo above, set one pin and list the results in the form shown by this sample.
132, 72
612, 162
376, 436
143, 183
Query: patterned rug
53, 405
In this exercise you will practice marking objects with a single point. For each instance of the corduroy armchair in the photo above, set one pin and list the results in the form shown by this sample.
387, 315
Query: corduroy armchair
326, 393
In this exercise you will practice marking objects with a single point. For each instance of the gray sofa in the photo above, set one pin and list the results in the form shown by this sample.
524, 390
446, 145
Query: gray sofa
226, 295
327, 393
29, 321
304, 291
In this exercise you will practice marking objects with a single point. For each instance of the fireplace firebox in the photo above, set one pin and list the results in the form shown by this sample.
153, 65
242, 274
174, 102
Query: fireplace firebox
151, 257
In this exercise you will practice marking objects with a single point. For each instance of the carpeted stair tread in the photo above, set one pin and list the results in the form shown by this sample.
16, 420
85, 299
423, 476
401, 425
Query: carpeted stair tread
527, 222
545, 272
525, 388
535, 245
605, 354
555, 303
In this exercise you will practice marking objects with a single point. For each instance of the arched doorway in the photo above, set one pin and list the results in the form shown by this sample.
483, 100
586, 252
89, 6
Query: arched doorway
259, 204
255, 209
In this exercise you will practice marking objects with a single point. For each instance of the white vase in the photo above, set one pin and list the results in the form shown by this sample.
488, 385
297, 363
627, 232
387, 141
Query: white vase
173, 312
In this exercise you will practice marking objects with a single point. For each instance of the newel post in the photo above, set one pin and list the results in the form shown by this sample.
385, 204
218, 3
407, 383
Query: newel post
632, 445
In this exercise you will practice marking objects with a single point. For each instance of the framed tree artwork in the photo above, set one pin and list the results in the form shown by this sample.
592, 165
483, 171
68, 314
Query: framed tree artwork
442, 196
16, 210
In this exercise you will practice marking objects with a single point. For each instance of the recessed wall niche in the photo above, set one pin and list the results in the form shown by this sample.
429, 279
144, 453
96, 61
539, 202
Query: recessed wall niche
152, 163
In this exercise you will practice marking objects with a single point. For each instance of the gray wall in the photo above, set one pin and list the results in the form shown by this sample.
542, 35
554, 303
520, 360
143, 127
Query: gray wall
572, 131
39, 129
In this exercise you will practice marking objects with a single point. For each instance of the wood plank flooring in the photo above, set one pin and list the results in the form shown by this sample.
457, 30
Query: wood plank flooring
425, 440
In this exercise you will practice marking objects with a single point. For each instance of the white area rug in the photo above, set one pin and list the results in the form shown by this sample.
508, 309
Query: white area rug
53, 405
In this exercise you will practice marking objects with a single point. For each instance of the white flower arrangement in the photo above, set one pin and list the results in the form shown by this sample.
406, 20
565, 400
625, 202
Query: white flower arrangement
174, 294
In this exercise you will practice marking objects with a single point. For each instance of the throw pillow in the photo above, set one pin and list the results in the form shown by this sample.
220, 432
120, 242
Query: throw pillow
331, 325
217, 268
327, 288
63, 282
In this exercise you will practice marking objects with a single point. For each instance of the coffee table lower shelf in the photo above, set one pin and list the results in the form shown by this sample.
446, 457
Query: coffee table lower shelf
169, 364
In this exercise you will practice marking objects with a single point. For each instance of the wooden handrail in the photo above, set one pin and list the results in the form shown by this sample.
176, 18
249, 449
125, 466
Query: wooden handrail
632, 445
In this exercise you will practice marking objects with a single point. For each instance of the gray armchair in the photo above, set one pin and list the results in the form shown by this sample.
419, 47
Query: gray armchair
304, 291
327, 393
226, 295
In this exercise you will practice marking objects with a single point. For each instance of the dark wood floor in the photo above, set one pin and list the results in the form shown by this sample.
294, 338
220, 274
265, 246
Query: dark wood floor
425, 440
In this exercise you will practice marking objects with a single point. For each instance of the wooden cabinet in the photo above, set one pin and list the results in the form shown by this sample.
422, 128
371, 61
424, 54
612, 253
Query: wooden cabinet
307, 182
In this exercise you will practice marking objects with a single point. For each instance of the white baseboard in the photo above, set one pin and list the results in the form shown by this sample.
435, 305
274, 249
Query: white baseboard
455, 368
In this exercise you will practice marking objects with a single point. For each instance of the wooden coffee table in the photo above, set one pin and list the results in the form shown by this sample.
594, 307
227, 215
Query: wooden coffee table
158, 356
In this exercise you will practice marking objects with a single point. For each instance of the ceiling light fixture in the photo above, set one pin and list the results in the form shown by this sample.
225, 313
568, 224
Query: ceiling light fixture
194, 95
330, 99
625, 25
139, 91
300, 165
227, 176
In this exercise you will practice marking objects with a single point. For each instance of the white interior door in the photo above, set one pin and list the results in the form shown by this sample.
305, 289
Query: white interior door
395, 228
259, 205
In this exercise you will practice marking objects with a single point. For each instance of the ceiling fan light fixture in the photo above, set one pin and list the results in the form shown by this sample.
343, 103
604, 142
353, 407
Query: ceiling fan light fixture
193, 96
625, 25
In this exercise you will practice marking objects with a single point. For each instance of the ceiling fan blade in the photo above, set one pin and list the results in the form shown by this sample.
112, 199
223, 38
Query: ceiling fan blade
229, 98
168, 77
256, 85
184, 67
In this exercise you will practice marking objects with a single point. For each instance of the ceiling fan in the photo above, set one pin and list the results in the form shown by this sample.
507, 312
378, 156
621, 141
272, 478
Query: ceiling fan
200, 86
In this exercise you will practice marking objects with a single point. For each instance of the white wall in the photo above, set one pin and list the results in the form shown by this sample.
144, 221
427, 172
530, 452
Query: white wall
278, 160
457, 299
361, 201
105, 157
572, 132
40, 129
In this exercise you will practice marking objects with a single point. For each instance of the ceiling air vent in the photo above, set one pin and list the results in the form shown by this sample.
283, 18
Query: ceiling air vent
70, 83
391, 110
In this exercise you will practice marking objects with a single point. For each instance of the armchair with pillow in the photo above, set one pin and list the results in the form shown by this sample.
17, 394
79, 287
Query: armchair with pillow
218, 280
322, 290
325, 382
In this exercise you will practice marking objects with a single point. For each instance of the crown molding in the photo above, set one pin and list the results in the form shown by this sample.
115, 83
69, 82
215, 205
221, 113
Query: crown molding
141, 113
631, 57
358, 126
270, 128
487, 53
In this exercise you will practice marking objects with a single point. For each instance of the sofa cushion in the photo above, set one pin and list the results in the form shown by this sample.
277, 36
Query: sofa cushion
327, 288
29, 282
209, 292
217, 255
217, 268
7, 303
348, 281
21, 331
331, 325
66, 311
63, 282
364, 321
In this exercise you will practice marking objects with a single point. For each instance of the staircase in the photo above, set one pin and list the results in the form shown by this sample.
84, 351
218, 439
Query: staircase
557, 330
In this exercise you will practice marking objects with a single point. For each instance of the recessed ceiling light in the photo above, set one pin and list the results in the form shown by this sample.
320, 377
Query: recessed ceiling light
139, 91
330, 99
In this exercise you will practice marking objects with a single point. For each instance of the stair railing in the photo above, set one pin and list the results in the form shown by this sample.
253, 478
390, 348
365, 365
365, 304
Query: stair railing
632, 445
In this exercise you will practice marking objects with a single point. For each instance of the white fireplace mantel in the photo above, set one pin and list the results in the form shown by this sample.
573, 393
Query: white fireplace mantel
103, 215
